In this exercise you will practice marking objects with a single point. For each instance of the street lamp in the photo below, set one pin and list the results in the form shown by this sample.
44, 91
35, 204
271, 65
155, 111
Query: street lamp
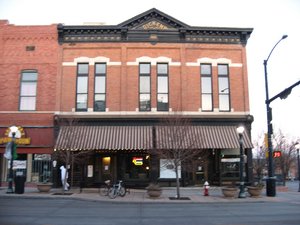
13, 131
271, 180
240, 131
298, 147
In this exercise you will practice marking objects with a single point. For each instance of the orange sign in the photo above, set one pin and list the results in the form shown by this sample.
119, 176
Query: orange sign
20, 137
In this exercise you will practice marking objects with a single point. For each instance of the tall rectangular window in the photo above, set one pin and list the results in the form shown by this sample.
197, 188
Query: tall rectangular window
144, 87
162, 87
224, 88
206, 87
28, 90
100, 87
82, 86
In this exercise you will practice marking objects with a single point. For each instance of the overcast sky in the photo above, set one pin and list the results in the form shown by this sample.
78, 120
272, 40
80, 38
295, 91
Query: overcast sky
270, 19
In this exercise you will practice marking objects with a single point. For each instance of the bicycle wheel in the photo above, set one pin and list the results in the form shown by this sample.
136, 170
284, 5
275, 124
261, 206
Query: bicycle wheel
112, 193
103, 190
122, 191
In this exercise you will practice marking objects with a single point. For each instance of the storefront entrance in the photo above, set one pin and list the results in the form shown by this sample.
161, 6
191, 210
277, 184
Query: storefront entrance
132, 168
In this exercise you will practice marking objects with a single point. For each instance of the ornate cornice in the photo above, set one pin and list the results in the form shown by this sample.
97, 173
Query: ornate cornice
153, 26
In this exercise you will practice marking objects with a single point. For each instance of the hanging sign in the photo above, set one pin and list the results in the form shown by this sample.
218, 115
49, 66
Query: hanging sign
20, 138
138, 161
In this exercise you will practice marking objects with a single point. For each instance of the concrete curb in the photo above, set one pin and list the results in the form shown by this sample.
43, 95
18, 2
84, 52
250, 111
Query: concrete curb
140, 196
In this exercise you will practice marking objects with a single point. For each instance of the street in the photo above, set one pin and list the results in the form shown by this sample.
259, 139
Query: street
38, 211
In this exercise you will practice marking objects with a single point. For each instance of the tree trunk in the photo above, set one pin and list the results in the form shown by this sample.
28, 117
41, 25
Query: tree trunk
283, 177
177, 183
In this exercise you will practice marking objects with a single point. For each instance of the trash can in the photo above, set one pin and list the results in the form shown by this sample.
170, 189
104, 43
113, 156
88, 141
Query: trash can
20, 179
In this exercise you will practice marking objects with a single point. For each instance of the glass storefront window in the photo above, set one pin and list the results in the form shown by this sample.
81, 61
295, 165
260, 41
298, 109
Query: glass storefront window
136, 166
167, 169
230, 167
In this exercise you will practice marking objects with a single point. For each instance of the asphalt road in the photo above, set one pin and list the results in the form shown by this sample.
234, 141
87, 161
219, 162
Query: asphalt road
27, 211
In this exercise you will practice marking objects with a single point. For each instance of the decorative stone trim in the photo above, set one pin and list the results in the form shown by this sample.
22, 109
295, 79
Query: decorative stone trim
154, 61
91, 61
214, 62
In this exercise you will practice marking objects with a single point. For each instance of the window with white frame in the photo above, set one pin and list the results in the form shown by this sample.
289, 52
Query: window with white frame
145, 87
162, 87
100, 87
82, 87
224, 88
206, 87
28, 90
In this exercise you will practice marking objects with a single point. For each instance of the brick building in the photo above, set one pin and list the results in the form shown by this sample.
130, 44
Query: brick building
29, 64
110, 90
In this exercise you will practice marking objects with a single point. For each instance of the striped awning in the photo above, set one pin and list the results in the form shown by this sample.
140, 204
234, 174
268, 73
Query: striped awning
199, 137
76, 138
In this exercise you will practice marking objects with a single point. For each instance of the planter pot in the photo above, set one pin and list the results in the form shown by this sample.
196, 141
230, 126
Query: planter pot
229, 192
254, 191
154, 193
44, 187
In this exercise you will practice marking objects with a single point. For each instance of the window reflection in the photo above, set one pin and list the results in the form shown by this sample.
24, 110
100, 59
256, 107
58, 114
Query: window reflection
28, 90
224, 89
162, 87
100, 87
144, 87
206, 87
145, 84
145, 102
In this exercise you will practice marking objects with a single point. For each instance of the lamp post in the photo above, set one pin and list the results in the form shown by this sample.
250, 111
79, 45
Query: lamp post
13, 131
298, 147
240, 131
271, 181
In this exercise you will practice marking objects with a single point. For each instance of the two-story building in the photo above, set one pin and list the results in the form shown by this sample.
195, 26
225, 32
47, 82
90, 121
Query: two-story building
110, 91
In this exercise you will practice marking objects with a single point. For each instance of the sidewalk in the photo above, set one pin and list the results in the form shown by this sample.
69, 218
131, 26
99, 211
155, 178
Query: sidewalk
195, 195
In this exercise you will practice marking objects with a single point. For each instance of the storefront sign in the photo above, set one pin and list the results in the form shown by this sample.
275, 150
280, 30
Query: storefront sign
168, 170
20, 137
18, 164
138, 161
230, 160
90, 170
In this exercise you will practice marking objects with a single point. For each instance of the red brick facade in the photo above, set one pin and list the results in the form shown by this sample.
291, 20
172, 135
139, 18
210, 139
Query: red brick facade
16, 56
54, 55
184, 81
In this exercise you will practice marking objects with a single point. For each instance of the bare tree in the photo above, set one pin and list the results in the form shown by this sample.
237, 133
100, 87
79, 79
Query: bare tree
288, 153
69, 156
259, 159
177, 144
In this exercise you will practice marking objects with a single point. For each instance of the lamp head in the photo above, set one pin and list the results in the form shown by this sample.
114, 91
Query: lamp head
284, 36
14, 132
240, 129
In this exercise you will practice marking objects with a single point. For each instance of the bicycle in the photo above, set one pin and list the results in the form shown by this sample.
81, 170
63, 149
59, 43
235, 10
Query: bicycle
104, 188
117, 189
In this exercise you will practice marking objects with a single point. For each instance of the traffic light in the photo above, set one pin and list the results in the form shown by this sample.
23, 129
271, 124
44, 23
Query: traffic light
276, 154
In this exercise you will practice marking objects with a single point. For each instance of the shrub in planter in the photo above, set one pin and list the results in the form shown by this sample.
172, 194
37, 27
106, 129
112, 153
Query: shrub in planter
255, 191
230, 192
44, 187
154, 190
